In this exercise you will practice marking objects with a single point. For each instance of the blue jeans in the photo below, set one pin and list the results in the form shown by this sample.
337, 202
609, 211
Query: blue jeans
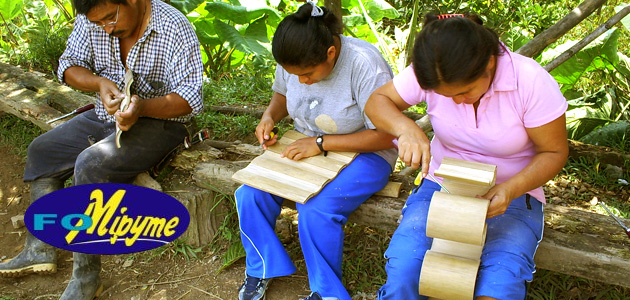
507, 260
320, 225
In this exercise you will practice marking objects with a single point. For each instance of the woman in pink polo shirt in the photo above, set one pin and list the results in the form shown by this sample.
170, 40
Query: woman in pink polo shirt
487, 105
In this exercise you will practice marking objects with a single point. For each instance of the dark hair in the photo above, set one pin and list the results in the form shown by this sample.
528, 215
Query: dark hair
453, 49
303, 40
84, 6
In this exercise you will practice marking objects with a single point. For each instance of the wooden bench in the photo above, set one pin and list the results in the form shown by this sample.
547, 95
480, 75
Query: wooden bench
576, 242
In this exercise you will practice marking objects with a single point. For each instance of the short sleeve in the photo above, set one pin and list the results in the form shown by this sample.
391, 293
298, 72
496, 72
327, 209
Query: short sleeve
280, 81
545, 101
78, 49
407, 86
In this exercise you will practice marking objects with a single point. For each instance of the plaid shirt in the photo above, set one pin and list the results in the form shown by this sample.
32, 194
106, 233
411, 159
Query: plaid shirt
166, 59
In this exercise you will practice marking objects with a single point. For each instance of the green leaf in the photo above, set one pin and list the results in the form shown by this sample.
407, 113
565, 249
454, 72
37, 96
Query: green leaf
232, 255
588, 113
379, 9
257, 39
600, 53
376, 9
206, 33
251, 42
354, 20
186, 6
240, 14
515, 38
230, 35
626, 20
608, 134
10, 8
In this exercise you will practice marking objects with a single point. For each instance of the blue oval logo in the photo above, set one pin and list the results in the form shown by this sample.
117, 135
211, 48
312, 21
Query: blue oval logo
107, 218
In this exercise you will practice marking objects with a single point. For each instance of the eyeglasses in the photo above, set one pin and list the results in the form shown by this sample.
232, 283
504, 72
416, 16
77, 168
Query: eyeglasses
94, 26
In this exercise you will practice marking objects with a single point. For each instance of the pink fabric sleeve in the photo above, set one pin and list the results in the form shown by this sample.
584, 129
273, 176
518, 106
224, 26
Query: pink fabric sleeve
407, 86
546, 102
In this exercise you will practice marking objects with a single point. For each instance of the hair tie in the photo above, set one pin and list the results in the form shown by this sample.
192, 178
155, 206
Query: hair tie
317, 11
446, 16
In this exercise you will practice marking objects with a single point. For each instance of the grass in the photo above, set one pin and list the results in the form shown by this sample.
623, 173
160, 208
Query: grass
17, 133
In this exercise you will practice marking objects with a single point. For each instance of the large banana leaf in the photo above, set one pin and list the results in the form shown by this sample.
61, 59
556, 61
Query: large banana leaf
240, 14
585, 114
600, 53
186, 6
206, 33
609, 134
251, 42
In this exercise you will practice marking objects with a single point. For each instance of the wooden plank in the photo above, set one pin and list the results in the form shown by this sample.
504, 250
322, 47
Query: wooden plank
294, 180
37, 99
391, 189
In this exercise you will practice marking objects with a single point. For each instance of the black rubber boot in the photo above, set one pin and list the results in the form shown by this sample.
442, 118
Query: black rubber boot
85, 283
37, 256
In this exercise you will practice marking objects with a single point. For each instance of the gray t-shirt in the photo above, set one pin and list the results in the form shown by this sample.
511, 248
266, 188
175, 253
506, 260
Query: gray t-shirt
335, 105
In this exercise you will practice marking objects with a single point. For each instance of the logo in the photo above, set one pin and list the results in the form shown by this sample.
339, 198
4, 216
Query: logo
107, 218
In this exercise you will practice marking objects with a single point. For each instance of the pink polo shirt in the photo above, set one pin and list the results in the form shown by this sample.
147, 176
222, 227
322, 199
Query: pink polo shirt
522, 95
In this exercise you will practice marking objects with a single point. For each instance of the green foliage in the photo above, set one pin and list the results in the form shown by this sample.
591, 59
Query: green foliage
178, 247
36, 33
17, 133
230, 34
591, 171
601, 116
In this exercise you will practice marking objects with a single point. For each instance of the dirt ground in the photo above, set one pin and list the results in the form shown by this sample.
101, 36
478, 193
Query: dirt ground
136, 277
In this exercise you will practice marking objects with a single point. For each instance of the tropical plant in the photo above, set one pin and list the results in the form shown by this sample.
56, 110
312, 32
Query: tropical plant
231, 33
35, 32
600, 116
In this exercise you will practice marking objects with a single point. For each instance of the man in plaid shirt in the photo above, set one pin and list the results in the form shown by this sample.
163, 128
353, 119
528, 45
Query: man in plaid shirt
160, 47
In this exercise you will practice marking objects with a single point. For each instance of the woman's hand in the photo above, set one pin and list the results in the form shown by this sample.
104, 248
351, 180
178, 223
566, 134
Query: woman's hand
263, 132
414, 149
500, 197
301, 148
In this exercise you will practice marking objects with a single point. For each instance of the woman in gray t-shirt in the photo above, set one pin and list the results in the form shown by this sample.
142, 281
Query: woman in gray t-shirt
323, 80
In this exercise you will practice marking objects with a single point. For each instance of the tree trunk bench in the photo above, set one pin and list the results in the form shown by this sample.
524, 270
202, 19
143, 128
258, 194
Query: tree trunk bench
575, 242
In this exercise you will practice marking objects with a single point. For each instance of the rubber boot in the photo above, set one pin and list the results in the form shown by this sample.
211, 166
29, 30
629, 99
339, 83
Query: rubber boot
37, 256
85, 283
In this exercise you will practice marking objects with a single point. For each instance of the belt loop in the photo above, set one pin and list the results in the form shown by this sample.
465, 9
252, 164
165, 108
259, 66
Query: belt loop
529, 205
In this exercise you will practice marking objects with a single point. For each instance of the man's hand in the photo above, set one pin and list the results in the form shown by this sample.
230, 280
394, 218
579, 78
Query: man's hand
127, 118
110, 95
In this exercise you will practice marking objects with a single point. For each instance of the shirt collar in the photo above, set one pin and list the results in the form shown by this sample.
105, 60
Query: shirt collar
505, 74
155, 23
